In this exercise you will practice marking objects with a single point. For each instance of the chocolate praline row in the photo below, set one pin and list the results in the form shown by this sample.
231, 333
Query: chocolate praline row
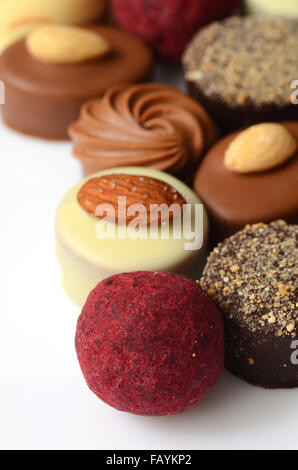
146, 347
43, 98
234, 199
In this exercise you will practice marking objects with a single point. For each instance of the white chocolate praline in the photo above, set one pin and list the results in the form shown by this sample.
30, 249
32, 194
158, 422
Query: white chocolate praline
85, 260
283, 8
18, 17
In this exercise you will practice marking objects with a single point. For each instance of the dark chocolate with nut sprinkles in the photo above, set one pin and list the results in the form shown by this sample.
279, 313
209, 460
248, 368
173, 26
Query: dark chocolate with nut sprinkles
241, 70
253, 279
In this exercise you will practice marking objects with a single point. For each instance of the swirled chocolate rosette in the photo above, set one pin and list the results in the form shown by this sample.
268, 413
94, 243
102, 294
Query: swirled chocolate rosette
150, 125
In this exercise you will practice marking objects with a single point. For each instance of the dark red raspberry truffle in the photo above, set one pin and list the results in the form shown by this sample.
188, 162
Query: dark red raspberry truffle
169, 25
150, 343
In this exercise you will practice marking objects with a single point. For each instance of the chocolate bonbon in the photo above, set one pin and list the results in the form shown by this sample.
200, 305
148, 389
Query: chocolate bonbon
242, 69
150, 125
42, 98
252, 277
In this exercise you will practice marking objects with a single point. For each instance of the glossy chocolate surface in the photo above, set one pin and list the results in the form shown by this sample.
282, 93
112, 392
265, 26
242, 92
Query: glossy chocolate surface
42, 99
234, 200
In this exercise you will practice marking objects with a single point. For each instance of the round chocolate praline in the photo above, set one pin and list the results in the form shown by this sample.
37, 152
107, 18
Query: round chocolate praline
252, 277
150, 124
86, 252
241, 70
42, 98
234, 199
150, 343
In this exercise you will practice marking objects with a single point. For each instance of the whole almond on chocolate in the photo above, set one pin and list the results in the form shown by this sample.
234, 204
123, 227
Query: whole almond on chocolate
260, 148
66, 44
155, 196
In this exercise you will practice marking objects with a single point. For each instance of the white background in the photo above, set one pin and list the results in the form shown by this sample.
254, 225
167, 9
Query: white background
44, 401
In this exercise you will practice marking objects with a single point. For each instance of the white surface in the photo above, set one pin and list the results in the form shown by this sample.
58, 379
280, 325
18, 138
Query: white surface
44, 401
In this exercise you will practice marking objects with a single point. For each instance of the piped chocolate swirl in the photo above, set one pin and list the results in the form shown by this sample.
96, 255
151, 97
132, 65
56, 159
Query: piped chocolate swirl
148, 125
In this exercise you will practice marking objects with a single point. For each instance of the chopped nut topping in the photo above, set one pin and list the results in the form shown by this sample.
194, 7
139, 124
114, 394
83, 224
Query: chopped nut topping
267, 296
245, 60
290, 327
211, 292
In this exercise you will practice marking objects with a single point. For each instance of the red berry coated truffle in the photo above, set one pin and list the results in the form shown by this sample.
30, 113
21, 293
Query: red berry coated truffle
169, 25
150, 343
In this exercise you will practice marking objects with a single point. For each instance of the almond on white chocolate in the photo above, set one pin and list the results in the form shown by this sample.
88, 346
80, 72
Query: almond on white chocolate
108, 224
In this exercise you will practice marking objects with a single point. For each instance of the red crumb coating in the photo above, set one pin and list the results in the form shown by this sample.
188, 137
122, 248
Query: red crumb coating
168, 25
150, 343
